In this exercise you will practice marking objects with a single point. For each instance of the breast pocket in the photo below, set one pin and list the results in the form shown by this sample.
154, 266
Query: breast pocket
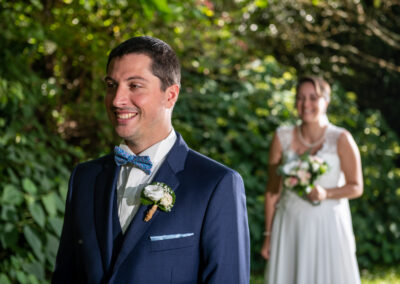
169, 242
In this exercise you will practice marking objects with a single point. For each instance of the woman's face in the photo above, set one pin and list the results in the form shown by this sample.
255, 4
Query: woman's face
310, 106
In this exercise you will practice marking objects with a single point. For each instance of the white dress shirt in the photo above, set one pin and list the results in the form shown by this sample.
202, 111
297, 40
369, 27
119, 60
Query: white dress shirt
132, 180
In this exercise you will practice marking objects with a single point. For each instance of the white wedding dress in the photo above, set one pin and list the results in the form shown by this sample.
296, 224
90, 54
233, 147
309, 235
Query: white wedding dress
313, 244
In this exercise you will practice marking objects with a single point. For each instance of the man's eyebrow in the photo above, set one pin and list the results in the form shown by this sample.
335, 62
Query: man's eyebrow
108, 78
136, 78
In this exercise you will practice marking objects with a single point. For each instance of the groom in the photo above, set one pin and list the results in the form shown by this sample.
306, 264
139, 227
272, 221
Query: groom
204, 238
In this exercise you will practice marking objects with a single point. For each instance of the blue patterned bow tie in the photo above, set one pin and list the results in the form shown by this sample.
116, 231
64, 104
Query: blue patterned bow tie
142, 162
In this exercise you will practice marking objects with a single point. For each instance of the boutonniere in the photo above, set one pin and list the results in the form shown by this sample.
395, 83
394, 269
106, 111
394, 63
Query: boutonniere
160, 196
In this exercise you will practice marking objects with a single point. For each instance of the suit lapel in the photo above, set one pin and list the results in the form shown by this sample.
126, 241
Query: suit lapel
167, 174
106, 184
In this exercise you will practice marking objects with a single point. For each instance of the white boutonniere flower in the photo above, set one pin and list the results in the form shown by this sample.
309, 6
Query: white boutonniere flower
160, 196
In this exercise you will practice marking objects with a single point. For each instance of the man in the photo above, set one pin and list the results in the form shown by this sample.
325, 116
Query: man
106, 237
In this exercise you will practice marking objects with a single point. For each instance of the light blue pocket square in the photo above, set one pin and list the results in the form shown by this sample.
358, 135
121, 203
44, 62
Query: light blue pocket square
169, 237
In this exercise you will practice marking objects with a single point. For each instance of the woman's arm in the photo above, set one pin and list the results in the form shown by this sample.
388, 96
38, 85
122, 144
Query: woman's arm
272, 191
350, 163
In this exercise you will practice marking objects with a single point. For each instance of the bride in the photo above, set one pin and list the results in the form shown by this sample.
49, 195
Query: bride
304, 242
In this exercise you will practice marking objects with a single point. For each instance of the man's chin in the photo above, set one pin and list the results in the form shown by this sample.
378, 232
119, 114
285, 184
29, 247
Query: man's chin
125, 135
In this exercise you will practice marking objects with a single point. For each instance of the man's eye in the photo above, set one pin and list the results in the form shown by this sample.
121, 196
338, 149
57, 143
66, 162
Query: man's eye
110, 85
134, 86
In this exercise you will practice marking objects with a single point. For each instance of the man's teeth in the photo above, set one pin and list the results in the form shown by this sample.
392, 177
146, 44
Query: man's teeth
125, 115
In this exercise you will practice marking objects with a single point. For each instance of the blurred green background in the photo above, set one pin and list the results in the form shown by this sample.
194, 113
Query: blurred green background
240, 60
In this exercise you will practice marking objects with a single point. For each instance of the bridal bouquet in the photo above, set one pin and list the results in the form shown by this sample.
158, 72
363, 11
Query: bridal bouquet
301, 173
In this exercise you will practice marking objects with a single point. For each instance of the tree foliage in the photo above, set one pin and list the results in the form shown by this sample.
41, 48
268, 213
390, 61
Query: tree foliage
233, 98
355, 42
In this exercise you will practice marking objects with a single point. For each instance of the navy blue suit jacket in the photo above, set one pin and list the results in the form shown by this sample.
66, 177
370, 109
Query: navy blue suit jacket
207, 236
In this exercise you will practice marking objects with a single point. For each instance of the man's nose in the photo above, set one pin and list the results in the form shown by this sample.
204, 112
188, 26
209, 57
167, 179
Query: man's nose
121, 97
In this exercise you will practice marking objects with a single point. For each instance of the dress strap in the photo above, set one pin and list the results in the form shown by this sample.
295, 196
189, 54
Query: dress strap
285, 135
332, 135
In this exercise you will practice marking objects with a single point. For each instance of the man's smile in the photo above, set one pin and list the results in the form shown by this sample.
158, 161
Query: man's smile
125, 115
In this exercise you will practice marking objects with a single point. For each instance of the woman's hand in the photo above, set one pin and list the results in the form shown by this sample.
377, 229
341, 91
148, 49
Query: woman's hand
318, 193
266, 248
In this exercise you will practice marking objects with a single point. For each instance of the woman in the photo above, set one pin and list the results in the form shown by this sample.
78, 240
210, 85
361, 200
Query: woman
305, 242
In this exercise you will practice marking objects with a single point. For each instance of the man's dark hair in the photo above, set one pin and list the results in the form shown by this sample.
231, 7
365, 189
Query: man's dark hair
165, 64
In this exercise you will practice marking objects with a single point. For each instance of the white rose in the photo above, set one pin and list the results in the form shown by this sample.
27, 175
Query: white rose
304, 166
315, 167
154, 192
289, 167
166, 200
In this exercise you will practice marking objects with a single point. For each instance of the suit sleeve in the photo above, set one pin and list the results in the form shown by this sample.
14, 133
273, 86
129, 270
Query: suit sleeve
64, 271
225, 240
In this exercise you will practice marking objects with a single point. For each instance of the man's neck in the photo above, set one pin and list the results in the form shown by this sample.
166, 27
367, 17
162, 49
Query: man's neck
139, 147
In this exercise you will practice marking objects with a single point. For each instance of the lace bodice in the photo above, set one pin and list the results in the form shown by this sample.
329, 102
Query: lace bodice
334, 177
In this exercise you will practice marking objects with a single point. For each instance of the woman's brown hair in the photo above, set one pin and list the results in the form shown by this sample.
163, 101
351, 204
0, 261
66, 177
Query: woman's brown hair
322, 87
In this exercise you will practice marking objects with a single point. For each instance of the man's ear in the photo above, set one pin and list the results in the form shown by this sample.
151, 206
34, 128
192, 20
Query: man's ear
172, 95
